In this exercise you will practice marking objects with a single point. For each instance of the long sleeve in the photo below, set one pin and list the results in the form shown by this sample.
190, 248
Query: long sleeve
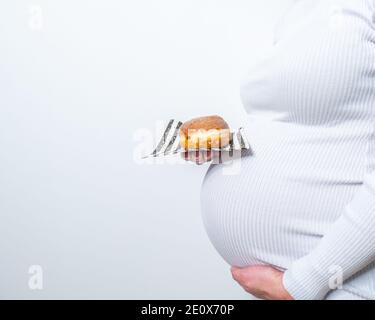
347, 247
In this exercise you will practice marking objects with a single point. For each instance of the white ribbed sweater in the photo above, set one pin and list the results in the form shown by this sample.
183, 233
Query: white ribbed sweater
305, 202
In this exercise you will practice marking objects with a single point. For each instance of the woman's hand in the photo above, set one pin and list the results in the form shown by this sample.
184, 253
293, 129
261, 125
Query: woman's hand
216, 156
198, 157
264, 282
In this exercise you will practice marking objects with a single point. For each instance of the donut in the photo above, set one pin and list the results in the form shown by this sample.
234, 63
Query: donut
204, 133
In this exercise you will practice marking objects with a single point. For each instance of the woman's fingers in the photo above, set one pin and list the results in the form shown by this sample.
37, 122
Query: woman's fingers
262, 281
199, 157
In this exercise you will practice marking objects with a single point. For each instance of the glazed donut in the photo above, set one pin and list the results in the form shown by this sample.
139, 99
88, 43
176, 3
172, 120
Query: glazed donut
204, 133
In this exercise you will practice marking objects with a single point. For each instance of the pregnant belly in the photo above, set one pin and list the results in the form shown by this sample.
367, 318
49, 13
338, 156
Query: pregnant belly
276, 207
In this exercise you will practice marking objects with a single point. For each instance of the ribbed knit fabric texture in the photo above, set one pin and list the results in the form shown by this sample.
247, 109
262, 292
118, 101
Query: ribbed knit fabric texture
305, 201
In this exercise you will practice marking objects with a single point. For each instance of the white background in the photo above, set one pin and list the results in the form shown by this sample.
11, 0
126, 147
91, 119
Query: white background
76, 90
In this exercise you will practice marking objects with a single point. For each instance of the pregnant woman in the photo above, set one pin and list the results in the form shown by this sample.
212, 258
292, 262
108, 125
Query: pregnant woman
299, 219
